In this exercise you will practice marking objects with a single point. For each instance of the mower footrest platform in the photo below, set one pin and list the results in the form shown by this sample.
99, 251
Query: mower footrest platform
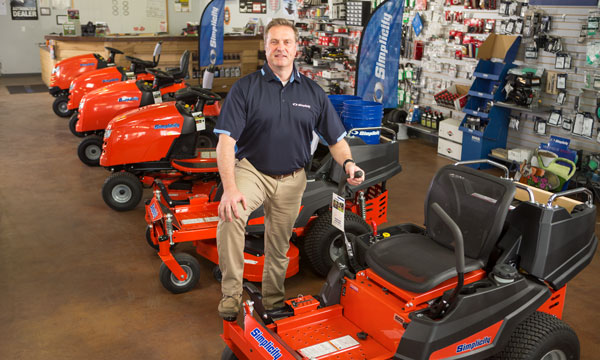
206, 161
327, 334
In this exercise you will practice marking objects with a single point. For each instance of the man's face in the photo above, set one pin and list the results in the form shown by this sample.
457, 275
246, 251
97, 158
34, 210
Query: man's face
281, 46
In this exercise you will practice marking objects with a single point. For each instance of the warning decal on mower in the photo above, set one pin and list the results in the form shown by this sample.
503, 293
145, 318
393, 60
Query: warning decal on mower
329, 347
274, 351
199, 220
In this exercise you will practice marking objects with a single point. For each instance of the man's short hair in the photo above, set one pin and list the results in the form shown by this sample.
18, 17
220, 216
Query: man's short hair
281, 22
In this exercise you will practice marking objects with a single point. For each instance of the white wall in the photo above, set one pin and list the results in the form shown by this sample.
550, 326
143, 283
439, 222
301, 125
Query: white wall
19, 52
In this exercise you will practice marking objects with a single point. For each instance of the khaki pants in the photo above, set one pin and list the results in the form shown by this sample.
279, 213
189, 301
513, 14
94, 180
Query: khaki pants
281, 200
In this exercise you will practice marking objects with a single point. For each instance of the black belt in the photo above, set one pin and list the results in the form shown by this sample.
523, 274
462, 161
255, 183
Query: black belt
283, 176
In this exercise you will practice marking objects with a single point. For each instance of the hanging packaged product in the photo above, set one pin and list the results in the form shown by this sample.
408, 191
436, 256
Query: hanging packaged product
567, 124
539, 126
531, 52
555, 118
593, 23
593, 53
560, 98
561, 81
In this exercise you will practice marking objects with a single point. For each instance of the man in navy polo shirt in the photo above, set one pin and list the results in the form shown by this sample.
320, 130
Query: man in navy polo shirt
271, 115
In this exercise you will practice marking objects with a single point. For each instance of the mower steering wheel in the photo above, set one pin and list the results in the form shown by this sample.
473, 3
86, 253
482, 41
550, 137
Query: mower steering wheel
113, 50
144, 63
206, 94
159, 73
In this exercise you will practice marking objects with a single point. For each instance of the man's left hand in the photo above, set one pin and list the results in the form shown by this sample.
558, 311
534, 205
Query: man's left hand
351, 168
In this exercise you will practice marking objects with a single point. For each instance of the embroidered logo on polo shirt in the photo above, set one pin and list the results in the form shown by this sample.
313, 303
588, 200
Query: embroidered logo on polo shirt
301, 105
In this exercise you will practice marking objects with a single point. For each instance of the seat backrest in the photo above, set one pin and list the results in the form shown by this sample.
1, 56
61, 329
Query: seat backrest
477, 201
184, 63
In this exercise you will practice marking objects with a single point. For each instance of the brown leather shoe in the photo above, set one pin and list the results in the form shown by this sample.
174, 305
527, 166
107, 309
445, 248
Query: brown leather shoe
230, 306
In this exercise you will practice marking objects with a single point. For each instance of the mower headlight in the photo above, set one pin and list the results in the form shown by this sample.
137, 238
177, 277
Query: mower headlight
71, 87
107, 133
81, 104
56, 70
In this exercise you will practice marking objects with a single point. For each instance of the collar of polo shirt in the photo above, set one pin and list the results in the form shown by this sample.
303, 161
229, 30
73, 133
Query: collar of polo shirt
270, 75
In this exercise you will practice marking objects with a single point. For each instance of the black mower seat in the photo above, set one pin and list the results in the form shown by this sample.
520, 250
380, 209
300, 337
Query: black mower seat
476, 201
410, 274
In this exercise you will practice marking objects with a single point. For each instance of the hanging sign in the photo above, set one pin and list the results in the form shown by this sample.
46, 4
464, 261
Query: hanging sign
210, 41
379, 53
24, 10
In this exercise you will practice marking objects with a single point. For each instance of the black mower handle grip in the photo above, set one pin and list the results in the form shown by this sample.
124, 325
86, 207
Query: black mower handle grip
358, 174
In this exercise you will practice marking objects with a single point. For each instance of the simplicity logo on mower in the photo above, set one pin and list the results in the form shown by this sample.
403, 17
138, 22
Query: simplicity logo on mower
475, 344
128, 98
274, 351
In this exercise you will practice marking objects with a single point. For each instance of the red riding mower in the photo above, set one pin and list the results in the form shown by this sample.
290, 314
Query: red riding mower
99, 78
147, 143
67, 70
194, 218
485, 279
97, 108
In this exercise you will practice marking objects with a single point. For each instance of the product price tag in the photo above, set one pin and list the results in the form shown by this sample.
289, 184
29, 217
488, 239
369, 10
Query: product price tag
338, 206
200, 121
157, 97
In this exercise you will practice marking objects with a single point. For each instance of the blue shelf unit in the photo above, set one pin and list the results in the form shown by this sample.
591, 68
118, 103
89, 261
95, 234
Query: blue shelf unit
487, 89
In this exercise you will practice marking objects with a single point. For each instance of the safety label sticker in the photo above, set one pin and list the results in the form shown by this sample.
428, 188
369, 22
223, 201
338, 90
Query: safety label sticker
328, 347
199, 220
157, 97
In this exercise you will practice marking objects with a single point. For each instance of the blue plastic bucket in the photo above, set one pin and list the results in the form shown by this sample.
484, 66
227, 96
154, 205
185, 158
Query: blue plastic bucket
338, 101
363, 114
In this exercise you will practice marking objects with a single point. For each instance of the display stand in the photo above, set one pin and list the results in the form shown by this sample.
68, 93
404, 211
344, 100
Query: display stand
485, 125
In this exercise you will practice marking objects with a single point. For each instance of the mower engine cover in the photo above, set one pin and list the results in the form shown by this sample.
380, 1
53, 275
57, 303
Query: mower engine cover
98, 79
98, 107
146, 134
67, 70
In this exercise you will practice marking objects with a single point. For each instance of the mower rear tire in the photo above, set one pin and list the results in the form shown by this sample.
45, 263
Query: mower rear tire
217, 274
206, 138
190, 265
228, 354
73, 123
60, 106
122, 191
324, 243
89, 150
541, 337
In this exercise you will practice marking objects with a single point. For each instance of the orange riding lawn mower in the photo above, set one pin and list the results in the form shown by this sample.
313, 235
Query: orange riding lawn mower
158, 141
484, 279
187, 211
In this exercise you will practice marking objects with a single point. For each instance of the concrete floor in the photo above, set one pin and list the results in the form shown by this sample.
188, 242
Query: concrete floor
78, 280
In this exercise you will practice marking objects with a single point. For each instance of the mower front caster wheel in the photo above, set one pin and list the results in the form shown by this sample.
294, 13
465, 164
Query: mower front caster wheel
190, 265
73, 124
89, 150
228, 354
60, 106
151, 243
122, 191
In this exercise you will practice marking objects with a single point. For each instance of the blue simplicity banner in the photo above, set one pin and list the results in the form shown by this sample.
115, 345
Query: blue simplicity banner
210, 41
377, 78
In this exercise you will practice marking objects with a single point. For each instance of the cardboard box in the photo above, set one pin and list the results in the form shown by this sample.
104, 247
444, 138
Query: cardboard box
458, 103
503, 47
520, 155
